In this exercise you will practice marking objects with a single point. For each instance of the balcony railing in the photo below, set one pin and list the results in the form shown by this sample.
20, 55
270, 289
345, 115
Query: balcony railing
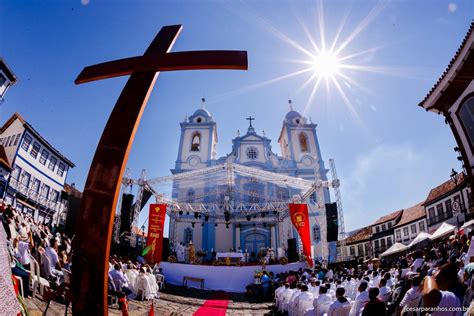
33, 195
439, 218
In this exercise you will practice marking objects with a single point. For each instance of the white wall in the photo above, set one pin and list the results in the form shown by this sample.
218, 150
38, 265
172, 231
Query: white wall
411, 234
13, 130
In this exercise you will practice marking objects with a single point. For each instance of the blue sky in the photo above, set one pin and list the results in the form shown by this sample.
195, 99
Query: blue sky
388, 151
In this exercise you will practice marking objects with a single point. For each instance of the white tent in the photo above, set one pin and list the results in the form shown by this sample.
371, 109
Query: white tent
421, 237
467, 224
442, 230
396, 247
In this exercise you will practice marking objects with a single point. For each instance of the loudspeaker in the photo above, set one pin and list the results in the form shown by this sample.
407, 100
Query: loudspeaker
126, 213
73, 210
292, 253
331, 221
165, 250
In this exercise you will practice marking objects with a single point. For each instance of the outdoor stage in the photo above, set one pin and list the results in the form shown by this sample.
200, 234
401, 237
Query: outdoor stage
230, 279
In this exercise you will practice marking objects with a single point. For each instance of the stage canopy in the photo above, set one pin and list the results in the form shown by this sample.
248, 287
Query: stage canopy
396, 247
443, 230
230, 191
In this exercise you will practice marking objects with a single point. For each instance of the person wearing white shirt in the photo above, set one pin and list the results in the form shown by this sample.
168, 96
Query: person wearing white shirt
449, 305
385, 292
23, 251
291, 302
349, 288
375, 279
285, 298
340, 307
315, 288
417, 262
304, 301
52, 253
413, 296
361, 299
329, 274
322, 302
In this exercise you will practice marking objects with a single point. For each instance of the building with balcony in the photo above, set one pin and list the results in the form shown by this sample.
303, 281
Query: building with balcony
448, 203
453, 97
38, 170
412, 222
358, 245
382, 232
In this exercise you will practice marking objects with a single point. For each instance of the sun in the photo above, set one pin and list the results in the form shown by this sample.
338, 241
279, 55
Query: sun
326, 64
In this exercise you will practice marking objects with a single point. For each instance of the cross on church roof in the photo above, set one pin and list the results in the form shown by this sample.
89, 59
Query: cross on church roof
291, 105
203, 101
250, 118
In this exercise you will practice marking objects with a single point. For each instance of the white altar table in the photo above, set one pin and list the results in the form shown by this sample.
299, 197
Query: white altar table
226, 278
229, 255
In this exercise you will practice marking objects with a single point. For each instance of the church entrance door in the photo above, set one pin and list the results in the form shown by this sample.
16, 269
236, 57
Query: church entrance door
253, 243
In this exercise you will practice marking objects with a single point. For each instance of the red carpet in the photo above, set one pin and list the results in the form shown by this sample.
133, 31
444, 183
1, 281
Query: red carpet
217, 306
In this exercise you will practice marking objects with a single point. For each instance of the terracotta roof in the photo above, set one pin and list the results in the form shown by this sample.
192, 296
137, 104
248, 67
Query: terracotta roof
451, 63
446, 188
28, 126
361, 235
388, 217
72, 190
411, 214
3, 158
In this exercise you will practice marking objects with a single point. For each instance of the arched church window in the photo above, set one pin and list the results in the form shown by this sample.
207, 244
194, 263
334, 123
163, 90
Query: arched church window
303, 142
316, 233
252, 153
466, 116
188, 235
190, 196
196, 142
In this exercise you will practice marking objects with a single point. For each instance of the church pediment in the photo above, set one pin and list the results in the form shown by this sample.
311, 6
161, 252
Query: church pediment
252, 138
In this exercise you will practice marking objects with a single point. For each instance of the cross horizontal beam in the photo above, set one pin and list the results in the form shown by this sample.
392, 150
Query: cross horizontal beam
189, 60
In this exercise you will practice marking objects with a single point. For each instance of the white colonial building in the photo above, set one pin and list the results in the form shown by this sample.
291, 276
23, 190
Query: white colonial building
449, 202
301, 157
412, 223
38, 171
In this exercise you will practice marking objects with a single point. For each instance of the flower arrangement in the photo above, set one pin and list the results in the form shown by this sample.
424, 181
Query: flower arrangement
258, 274
172, 259
227, 261
196, 261
216, 263
283, 260
201, 253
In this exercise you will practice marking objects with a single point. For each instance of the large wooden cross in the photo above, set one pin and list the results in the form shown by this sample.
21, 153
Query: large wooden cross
93, 229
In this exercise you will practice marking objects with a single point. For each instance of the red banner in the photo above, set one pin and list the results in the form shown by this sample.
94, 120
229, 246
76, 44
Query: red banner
154, 242
300, 219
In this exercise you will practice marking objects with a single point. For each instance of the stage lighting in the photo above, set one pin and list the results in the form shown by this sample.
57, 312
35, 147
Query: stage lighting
180, 212
248, 218
275, 212
192, 225
262, 214
206, 218
215, 224
196, 214
254, 215
202, 224
227, 225
187, 213
264, 224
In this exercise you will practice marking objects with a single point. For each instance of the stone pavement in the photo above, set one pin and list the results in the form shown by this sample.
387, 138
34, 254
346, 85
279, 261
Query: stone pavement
167, 304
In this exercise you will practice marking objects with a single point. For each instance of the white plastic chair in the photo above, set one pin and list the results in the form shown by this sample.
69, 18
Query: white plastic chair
160, 280
36, 280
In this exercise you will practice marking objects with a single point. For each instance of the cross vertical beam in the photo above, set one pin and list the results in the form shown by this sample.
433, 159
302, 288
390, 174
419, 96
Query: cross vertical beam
94, 225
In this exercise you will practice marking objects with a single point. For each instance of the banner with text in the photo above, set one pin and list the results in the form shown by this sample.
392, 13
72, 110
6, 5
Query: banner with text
300, 219
154, 242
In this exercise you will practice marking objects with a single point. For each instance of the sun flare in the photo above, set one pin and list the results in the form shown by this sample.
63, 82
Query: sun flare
326, 64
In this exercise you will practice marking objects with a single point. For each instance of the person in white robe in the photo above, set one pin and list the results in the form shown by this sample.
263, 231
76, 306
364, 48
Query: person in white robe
385, 293
341, 306
180, 252
304, 301
285, 298
291, 303
320, 303
361, 299
350, 287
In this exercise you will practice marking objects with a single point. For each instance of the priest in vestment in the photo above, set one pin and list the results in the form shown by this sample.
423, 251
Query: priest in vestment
191, 252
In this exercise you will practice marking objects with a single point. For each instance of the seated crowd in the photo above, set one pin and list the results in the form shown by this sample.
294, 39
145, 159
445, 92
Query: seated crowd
440, 277
41, 256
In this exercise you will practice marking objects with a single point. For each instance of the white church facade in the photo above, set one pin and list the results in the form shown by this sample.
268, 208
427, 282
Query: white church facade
300, 157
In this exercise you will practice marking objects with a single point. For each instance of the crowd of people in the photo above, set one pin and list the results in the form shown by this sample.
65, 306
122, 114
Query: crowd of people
436, 281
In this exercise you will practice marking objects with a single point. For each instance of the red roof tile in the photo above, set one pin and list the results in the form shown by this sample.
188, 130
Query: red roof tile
411, 214
361, 235
388, 217
446, 188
